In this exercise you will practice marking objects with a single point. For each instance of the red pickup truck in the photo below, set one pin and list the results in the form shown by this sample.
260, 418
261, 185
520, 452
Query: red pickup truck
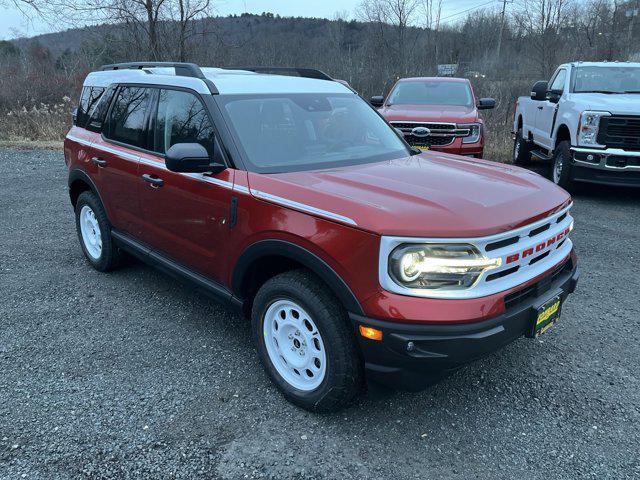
292, 200
438, 113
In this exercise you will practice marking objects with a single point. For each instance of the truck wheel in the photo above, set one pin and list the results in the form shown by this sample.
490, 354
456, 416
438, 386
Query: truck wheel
305, 343
521, 150
95, 234
561, 166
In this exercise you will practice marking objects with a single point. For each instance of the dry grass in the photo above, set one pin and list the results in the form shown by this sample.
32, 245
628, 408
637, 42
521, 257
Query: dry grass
43, 123
498, 145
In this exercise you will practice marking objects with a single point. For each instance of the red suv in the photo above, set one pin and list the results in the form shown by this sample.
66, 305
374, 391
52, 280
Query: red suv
289, 198
437, 113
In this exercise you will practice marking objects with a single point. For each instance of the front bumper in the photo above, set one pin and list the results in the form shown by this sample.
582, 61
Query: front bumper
611, 166
458, 148
412, 356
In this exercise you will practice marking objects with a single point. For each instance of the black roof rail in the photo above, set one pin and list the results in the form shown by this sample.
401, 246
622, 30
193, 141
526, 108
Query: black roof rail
287, 71
182, 69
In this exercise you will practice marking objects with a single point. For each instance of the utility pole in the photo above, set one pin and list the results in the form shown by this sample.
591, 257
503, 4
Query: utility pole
504, 10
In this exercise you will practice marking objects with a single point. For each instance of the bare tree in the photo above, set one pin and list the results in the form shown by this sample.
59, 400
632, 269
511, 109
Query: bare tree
396, 15
142, 19
182, 16
540, 21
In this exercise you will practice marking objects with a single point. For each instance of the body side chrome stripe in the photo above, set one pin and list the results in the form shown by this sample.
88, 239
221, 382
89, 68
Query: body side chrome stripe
301, 206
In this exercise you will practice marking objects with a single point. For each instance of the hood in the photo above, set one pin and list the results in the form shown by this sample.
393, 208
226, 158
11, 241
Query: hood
614, 103
430, 113
428, 195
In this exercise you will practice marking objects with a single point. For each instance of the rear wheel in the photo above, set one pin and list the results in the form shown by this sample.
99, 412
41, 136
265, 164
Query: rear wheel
94, 233
305, 343
561, 166
521, 150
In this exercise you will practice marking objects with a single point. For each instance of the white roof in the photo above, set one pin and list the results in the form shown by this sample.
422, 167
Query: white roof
226, 81
605, 64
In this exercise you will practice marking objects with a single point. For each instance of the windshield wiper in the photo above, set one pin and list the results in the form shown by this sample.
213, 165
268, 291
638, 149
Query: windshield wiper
631, 91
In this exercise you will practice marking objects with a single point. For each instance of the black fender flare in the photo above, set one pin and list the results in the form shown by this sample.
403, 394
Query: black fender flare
283, 248
78, 174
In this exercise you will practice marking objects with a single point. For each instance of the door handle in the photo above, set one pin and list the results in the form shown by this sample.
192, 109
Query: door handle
99, 162
540, 108
154, 181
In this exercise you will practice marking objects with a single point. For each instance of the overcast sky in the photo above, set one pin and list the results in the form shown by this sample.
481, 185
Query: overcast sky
14, 24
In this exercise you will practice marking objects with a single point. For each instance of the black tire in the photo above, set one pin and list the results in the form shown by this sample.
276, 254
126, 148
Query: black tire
343, 378
521, 150
560, 170
110, 255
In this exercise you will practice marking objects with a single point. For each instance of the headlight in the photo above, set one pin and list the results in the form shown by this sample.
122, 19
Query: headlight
588, 128
474, 132
438, 266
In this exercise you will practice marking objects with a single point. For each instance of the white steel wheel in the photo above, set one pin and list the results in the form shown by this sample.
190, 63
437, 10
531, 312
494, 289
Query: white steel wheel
294, 345
91, 234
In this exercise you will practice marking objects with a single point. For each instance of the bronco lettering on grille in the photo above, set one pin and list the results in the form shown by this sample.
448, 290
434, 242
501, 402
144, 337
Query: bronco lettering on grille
537, 248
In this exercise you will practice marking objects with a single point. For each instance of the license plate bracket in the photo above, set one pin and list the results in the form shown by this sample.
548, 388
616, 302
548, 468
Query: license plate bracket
545, 316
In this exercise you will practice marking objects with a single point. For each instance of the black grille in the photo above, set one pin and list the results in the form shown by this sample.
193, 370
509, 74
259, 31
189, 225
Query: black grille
537, 288
430, 126
430, 141
620, 132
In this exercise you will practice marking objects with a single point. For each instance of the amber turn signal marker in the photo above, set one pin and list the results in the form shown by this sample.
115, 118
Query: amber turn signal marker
370, 333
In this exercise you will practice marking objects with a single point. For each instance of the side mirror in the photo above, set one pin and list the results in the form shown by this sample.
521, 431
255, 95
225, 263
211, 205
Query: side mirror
191, 158
377, 101
486, 103
539, 91
553, 96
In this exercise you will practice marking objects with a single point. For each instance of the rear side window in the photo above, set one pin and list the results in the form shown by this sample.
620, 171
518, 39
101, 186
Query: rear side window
88, 102
182, 118
96, 116
127, 118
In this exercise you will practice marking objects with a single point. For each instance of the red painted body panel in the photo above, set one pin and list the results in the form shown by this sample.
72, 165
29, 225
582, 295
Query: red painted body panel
439, 113
428, 195
187, 217
352, 253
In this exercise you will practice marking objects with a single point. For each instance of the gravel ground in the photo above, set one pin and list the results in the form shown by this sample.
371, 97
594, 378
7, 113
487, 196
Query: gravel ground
130, 375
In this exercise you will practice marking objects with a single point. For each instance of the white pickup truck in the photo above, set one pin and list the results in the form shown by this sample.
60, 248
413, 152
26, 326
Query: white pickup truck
586, 120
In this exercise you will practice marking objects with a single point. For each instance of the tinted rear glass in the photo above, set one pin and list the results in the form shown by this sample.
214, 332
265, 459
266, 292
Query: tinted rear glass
128, 115
88, 102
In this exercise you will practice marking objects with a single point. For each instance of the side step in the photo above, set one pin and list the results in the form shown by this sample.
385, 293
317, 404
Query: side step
169, 266
541, 155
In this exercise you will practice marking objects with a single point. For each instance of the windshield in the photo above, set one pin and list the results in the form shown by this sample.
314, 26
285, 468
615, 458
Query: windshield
433, 92
622, 79
290, 132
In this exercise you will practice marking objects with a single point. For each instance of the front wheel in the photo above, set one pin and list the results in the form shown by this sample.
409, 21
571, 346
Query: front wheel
305, 343
561, 166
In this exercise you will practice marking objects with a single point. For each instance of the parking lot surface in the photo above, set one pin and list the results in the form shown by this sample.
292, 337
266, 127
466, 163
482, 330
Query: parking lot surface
132, 375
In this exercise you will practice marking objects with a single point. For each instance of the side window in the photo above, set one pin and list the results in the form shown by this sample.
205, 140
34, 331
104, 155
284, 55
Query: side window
88, 101
182, 118
95, 117
557, 85
126, 121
